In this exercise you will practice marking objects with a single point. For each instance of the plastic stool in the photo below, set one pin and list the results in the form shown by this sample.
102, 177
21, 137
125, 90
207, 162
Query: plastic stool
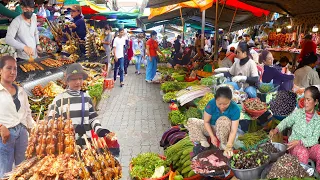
313, 165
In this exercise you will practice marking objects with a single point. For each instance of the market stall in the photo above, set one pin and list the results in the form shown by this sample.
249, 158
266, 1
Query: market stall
256, 156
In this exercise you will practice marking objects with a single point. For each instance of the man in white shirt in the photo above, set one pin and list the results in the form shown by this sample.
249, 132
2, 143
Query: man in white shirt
118, 51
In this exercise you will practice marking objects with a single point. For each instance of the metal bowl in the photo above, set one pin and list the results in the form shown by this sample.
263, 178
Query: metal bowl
282, 150
250, 174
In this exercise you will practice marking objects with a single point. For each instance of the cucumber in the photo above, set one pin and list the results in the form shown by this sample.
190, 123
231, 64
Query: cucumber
187, 151
191, 173
179, 169
176, 158
187, 163
186, 158
186, 170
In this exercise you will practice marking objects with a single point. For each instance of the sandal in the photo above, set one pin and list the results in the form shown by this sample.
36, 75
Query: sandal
121, 84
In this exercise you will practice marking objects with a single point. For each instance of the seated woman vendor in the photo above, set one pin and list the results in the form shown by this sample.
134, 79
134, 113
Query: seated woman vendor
243, 72
285, 81
305, 124
182, 59
221, 120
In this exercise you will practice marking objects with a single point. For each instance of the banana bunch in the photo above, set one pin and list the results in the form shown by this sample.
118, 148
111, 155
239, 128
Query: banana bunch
69, 48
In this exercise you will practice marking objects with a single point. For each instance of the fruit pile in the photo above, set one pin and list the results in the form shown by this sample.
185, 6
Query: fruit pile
284, 103
255, 104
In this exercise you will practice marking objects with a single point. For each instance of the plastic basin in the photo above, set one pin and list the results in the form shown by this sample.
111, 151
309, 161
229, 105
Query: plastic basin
254, 113
249, 174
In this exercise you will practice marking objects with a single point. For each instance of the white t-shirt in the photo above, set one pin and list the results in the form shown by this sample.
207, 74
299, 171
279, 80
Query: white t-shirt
119, 44
249, 69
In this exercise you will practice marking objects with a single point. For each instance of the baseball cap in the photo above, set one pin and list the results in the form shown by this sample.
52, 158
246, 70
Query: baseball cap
225, 37
75, 69
75, 7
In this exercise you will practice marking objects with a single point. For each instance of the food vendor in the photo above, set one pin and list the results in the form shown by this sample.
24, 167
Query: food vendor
243, 71
308, 46
15, 117
84, 120
306, 76
305, 124
23, 34
78, 25
221, 120
285, 81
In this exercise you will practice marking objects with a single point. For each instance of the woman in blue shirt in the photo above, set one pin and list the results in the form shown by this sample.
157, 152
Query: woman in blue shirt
221, 120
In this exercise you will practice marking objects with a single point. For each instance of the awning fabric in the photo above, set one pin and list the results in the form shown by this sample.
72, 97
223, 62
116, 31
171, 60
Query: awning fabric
205, 4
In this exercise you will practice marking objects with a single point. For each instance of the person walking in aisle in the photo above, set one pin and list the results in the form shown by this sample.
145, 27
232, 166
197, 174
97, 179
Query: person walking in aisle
118, 51
107, 46
139, 51
129, 54
15, 117
152, 49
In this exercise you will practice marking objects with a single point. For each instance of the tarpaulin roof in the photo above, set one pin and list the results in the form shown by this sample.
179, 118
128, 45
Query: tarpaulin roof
290, 7
242, 19
204, 4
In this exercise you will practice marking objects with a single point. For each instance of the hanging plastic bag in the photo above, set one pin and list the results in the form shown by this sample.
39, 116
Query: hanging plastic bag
42, 12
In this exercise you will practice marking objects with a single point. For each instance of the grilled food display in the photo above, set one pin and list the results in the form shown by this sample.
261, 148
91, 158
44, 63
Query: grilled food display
37, 91
52, 89
52, 63
31, 66
53, 154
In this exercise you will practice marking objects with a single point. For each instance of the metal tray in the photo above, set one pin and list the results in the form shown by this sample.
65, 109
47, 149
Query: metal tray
28, 86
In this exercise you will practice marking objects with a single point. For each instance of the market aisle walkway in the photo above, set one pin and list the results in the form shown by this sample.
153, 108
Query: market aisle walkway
137, 115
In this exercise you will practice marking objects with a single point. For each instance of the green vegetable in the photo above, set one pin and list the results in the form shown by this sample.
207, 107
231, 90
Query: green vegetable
176, 117
251, 139
170, 86
209, 81
186, 170
178, 177
169, 96
204, 101
193, 112
173, 150
96, 90
144, 165
191, 173
265, 88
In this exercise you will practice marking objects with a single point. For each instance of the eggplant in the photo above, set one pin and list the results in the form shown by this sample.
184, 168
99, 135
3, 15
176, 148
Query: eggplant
166, 134
174, 134
177, 138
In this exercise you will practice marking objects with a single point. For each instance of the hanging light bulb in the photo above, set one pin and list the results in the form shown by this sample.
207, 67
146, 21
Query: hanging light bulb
289, 26
278, 30
315, 28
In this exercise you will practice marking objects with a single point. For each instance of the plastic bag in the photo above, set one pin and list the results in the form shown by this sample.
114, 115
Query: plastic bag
157, 77
42, 12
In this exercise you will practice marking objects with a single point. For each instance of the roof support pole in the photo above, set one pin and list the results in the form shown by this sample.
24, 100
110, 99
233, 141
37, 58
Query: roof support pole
202, 28
216, 34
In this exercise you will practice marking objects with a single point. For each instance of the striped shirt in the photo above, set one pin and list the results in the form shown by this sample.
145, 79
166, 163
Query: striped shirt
91, 120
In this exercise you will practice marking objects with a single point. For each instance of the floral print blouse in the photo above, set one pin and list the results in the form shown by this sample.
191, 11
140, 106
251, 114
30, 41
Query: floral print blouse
307, 132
